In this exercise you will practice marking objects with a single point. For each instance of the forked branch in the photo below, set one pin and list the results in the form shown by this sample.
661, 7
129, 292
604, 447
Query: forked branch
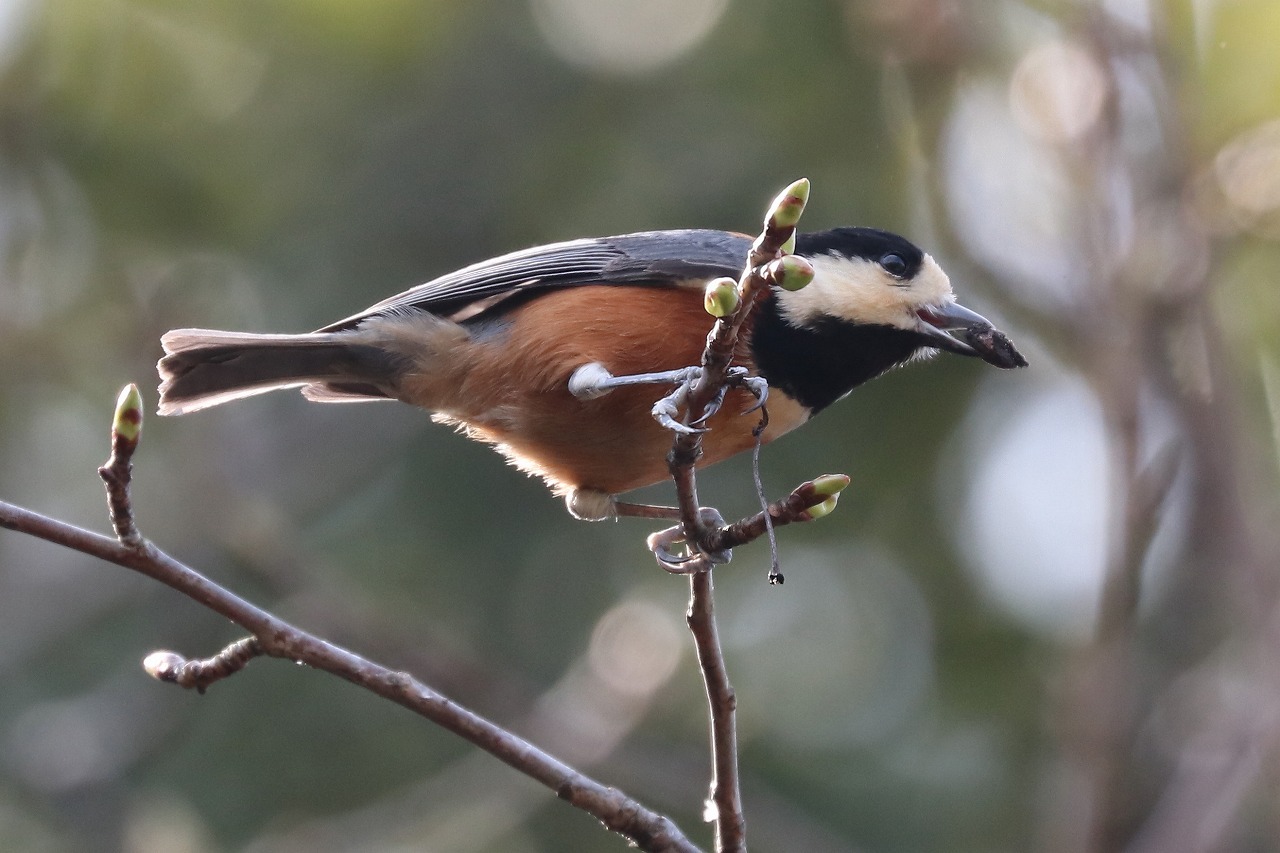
274, 637
707, 539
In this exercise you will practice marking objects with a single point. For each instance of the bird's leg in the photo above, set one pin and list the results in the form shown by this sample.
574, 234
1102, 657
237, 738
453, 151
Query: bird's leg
630, 510
594, 380
594, 505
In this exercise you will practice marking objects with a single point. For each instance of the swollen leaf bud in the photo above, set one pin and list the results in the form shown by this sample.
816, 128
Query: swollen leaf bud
720, 297
830, 484
823, 509
128, 418
791, 272
789, 247
787, 207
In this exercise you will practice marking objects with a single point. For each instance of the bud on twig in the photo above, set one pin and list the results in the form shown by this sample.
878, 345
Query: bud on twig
720, 297
126, 429
790, 272
787, 207
198, 674
823, 509
128, 418
829, 485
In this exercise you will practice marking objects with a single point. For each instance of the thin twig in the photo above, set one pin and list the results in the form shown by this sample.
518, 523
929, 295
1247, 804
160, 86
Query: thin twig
761, 269
803, 504
767, 263
645, 828
274, 637
724, 805
199, 674
117, 473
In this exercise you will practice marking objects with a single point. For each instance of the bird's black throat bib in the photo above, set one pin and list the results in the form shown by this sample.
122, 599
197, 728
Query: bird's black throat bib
820, 363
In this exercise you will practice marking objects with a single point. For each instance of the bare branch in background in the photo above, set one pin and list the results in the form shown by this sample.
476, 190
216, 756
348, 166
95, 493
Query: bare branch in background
274, 637
1139, 325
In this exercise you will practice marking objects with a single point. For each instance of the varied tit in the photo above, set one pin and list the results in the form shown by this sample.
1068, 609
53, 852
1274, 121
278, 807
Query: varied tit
492, 347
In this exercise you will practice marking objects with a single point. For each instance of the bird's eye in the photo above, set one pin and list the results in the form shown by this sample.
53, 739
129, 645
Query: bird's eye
894, 265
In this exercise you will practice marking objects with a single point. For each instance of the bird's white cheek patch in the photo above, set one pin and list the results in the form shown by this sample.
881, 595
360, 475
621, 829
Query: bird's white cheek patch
860, 291
931, 285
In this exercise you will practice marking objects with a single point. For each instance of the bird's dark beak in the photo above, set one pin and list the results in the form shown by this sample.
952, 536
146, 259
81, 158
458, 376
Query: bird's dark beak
974, 335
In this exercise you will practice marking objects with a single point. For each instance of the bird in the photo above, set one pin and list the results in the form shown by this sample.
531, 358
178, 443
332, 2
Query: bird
492, 348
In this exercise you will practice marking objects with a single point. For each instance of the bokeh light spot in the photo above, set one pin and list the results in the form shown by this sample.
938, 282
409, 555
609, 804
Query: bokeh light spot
635, 647
1034, 523
1248, 172
1058, 91
842, 657
625, 37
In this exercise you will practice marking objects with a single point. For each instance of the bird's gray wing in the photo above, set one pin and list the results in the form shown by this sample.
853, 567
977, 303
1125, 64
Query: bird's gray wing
649, 257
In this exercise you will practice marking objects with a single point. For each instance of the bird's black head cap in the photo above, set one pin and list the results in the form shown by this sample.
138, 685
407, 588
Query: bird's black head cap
869, 244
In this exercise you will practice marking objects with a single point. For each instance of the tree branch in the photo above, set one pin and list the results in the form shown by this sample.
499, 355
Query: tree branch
724, 804
769, 262
277, 638
274, 637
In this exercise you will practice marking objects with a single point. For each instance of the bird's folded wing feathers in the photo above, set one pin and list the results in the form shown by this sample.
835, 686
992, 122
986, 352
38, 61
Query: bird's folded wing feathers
650, 257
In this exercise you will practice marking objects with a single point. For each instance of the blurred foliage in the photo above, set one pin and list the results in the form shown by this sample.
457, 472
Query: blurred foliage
275, 164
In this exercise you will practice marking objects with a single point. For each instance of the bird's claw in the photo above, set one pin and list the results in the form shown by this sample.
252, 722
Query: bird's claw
667, 409
688, 560
736, 377
713, 405
758, 387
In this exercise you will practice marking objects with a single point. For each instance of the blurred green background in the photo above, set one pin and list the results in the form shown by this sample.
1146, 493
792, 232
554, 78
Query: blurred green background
1043, 618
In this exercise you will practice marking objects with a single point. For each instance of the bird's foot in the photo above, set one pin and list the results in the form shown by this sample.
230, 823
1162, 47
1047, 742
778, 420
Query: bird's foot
666, 410
677, 555
756, 386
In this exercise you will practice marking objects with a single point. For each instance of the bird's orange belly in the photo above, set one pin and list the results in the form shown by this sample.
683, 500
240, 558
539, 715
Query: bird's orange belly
513, 392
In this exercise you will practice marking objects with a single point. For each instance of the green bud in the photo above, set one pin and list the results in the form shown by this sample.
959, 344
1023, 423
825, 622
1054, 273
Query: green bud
823, 509
830, 484
720, 297
128, 418
787, 207
791, 272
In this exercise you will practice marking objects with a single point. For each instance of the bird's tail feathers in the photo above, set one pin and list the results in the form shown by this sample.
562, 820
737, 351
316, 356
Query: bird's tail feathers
205, 367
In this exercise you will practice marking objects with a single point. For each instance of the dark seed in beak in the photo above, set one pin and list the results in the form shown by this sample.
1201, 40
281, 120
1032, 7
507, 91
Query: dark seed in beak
993, 346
